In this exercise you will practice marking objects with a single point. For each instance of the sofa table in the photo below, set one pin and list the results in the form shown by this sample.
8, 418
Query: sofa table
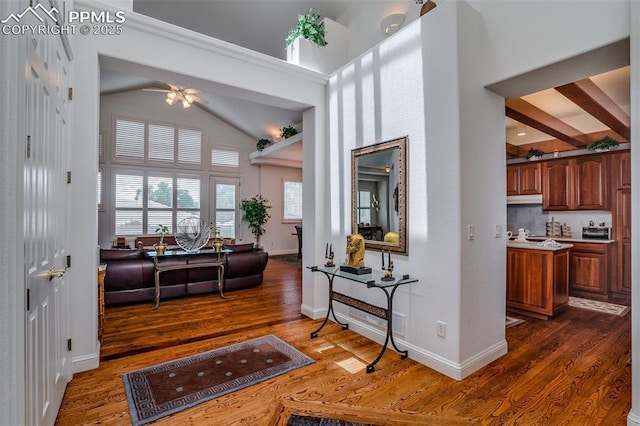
372, 280
159, 267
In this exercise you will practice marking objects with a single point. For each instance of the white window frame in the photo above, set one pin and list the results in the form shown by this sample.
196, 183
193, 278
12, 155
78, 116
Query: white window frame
284, 199
174, 176
213, 181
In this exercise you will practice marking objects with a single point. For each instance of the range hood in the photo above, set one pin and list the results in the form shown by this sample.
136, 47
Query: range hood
524, 199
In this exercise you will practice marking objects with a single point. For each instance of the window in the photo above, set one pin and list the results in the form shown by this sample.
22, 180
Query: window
152, 143
292, 201
224, 205
364, 207
144, 200
99, 188
225, 157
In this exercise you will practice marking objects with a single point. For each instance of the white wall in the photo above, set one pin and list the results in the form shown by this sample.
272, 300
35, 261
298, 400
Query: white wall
212, 64
428, 81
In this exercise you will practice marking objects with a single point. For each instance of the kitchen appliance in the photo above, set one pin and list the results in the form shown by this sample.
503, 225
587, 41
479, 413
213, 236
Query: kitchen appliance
597, 233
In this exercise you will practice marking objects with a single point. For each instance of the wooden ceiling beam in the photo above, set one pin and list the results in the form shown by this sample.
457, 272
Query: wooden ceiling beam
532, 116
592, 99
512, 150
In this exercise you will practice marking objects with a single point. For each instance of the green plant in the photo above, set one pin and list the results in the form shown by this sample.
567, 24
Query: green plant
254, 212
288, 131
308, 27
215, 231
603, 144
162, 230
534, 153
263, 143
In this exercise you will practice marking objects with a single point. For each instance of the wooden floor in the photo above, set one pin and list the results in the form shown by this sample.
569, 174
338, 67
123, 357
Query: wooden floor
570, 370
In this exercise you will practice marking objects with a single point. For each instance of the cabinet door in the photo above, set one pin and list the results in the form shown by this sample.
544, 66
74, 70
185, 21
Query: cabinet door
622, 232
623, 170
529, 179
512, 179
588, 272
556, 185
591, 183
528, 281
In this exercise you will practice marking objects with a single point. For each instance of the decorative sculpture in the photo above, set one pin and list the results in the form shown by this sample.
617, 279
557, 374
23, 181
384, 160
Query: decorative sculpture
355, 251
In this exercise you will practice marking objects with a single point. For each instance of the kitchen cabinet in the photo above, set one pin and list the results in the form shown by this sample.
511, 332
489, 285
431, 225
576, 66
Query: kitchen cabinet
524, 179
576, 184
621, 218
589, 270
537, 279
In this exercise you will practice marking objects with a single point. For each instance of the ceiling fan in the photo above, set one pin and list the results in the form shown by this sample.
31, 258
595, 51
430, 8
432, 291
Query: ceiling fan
180, 94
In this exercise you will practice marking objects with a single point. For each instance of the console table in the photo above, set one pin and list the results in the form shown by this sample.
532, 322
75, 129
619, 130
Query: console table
372, 280
160, 267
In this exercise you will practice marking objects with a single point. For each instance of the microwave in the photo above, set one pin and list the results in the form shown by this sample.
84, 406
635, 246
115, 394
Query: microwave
597, 233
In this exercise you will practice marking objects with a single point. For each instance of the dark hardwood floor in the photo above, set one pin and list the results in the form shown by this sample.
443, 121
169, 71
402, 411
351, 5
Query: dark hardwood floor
571, 370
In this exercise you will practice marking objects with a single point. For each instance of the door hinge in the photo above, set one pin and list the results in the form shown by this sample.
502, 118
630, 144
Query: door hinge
30, 3
70, 93
69, 344
69, 176
28, 146
68, 261
28, 300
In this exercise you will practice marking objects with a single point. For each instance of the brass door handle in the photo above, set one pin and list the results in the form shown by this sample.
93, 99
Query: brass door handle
56, 273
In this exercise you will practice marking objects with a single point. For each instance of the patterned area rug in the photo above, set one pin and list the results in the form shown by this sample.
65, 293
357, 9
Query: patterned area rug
290, 259
594, 305
167, 388
511, 321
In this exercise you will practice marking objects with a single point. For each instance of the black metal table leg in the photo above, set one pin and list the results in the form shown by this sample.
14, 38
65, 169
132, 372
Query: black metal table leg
330, 311
403, 354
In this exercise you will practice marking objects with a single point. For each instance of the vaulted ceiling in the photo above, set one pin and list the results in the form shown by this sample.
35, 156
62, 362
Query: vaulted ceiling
570, 116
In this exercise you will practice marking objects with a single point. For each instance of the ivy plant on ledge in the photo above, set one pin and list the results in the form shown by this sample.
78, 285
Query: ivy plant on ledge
308, 27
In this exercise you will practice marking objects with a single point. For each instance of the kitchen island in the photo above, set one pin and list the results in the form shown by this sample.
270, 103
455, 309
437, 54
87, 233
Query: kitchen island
537, 278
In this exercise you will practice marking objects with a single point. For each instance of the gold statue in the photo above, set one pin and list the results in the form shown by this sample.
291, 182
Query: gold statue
355, 251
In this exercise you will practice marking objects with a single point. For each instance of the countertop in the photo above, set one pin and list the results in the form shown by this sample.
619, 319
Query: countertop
572, 240
533, 245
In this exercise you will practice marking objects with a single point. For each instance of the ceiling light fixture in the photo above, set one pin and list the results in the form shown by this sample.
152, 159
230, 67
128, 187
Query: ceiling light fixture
392, 23
521, 130
179, 95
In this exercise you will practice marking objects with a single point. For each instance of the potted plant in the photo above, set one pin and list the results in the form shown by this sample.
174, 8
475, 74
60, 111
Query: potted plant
161, 246
308, 27
287, 132
262, 144
605, 144
254, 212
534, 154
216, 237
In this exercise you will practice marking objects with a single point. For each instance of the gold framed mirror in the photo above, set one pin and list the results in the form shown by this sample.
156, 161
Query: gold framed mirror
379, 195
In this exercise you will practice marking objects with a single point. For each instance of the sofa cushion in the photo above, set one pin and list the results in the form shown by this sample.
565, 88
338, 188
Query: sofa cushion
239, 248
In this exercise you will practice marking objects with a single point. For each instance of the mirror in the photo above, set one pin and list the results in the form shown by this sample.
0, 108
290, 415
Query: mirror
379, 195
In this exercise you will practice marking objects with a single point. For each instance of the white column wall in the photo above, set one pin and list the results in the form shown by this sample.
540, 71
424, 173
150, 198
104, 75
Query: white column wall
151, 45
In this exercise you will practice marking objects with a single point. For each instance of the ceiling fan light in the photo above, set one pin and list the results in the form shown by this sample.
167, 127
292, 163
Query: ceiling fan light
188, 98
170, 101
387, 168
185, 104
171, 95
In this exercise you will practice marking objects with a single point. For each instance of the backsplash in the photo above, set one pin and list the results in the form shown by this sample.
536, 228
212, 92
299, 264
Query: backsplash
534, 219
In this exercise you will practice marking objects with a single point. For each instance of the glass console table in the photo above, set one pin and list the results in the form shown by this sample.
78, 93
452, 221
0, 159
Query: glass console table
173, 254
372, 280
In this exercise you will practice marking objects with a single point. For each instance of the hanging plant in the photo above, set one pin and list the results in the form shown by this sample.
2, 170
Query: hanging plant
287, 132
308, 27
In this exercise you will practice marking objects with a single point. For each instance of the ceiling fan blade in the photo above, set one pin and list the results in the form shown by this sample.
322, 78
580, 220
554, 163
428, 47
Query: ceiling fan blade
174, 87
191, 91
199, 100
156, 90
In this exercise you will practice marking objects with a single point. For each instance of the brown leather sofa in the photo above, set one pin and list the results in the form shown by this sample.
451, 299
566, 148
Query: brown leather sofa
130, 274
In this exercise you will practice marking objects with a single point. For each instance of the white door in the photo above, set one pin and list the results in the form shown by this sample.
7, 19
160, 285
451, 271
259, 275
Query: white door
46, 212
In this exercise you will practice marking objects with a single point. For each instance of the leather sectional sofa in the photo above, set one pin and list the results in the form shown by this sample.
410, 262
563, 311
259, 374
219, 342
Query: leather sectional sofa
130, 274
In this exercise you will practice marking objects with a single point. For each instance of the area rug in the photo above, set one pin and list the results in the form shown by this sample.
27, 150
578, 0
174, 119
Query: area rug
511, 321
594, 305
290, 259
167, 388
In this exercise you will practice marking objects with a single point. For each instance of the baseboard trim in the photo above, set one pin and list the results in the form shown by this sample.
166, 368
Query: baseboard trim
633, 419
86, 362
314, 314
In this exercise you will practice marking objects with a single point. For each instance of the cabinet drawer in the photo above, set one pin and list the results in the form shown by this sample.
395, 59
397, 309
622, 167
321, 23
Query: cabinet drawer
589, 248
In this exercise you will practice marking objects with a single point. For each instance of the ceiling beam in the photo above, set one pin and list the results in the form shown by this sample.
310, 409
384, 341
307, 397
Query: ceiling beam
593, 100
532, 116
512, 150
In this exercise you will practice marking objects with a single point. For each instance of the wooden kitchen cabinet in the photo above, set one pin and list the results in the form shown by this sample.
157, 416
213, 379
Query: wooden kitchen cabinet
621, 218
576, 184
537, 281
589, 270
524, 179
